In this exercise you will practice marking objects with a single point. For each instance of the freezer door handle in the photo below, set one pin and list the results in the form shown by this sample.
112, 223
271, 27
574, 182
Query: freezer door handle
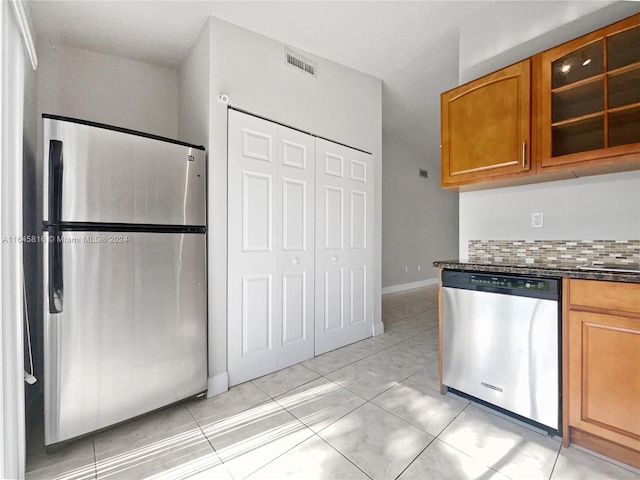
55, 270
55, 181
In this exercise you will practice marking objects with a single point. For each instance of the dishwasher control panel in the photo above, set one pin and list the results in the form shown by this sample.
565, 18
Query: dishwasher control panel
507, 284
510, 282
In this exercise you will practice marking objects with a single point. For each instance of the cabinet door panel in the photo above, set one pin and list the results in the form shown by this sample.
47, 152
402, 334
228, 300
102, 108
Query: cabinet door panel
610, 374
485, 126
605, 376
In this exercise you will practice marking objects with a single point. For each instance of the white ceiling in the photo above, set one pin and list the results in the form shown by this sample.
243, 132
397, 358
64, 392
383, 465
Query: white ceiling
408, 44
376, 37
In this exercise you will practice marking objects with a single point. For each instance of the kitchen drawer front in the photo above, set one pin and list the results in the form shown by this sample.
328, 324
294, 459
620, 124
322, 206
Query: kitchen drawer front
616, 296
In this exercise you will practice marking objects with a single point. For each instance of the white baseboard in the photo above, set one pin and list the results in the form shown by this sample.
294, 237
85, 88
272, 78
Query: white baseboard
378, 329
409, 286
217, 384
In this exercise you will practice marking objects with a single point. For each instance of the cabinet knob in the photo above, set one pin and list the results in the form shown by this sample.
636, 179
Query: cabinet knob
334, 258
296, 261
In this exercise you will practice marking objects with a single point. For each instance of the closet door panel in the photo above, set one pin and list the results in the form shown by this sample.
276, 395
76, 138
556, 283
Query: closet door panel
333, 218
257, 314
253, 286
358, 292
299, 246
333, 302
343, 246
358, 226
295, 253
257, 212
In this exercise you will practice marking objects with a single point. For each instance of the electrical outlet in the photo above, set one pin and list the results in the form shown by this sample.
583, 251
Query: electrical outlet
406, 269
419, 267
537, 220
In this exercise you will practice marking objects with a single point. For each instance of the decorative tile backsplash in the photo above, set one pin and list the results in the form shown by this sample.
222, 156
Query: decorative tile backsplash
550, 251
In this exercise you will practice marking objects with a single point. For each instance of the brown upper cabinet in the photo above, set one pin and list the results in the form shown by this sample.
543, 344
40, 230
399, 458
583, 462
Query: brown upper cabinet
576, 107
590, 97
486, 127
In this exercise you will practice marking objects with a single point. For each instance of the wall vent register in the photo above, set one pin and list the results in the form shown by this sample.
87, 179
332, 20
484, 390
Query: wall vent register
301, 63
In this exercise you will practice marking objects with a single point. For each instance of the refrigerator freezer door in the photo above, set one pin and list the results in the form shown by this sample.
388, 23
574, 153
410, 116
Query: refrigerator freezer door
109, 176
131, 333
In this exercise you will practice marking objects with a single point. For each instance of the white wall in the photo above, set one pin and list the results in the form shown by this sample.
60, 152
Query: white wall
603, 207
194, 126
420, 219
103, 88
340, 104
194, 92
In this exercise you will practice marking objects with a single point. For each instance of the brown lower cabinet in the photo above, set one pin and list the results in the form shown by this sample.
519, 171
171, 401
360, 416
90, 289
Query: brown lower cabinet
601, 391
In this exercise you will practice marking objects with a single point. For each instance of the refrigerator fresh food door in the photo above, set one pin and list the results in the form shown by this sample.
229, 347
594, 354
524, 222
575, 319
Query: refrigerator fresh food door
130, 331
109, 176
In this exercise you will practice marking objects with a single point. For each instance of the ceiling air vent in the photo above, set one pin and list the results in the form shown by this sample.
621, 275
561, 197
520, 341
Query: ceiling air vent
298, 61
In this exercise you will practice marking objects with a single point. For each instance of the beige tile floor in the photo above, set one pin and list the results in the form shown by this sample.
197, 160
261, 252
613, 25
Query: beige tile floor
370, 410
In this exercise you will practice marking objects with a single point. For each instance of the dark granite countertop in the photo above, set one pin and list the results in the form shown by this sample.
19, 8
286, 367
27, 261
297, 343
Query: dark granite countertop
556, 269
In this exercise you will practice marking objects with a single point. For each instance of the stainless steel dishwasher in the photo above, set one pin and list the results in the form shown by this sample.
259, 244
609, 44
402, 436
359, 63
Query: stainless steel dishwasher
501, 342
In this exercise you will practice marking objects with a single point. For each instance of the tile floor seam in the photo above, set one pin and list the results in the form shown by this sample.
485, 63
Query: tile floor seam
368, 400
222, 461
417, 456
95, 456
329, 424
278, 456
398, 416
343, 456
555, 462
604, 458
343, 366
206, 437
452, 420
477, 460
471, 406
201, 428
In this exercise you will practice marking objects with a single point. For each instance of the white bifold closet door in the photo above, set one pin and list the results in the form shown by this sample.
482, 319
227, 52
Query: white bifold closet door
344, 255
271, 215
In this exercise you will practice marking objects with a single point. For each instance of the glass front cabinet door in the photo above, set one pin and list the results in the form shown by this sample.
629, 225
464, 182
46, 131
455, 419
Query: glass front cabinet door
590, 98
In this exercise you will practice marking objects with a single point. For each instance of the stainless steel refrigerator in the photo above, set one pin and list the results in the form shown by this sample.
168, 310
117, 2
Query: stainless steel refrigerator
125, 316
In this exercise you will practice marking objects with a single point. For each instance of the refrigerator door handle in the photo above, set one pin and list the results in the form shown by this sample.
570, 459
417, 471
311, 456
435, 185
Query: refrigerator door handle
55, 214
55, 270
55, 181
